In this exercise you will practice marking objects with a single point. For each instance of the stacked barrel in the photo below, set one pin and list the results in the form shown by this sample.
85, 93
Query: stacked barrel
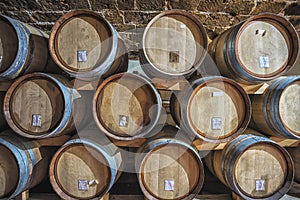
169, 105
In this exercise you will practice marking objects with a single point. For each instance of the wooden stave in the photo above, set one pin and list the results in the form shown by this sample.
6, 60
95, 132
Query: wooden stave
294, 152
223, 50
168, 137
267, 105
117, 60
32, 54
183, 97
108, 150
33, 159
150, 130
231, 154
66, 124
150, 69
3, 123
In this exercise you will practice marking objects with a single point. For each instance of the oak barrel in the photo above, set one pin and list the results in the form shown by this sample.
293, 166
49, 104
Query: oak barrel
215, 109
40, 105
294, 152
87, 46
23, 164
85, 167
253, 167
258, 49
174, 45
169, 168
277, 111
23, 49
126, 106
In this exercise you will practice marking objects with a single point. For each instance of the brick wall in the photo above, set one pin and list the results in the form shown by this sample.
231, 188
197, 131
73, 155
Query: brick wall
126, 15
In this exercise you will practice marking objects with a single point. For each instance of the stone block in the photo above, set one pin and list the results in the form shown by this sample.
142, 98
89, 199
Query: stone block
293, 9
273, 7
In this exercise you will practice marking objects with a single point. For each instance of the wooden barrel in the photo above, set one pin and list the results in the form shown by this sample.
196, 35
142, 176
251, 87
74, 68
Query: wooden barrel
85, 168
23, 164
126, 106
23, 49
253, 167
87, 46
40, 105
215, 109
277, 111
258, 49
169, 168
174, 45
294, 152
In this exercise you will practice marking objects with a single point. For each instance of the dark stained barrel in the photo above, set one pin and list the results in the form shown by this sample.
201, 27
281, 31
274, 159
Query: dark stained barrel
174, 45
126, 106
23, 49
215, 109
23, 164
253, 167
169, 168
294, 152
87, 46
258, 49
85, 167
40, 105
277, 111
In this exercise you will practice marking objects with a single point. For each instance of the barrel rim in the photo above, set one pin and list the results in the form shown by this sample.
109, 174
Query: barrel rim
243, 123
24, 158
53, 169
293, 80
268, 106
159, 143
290, 34
196, 65
10, 147
289, 174
7, 111
22, 53
141, 133
90, 72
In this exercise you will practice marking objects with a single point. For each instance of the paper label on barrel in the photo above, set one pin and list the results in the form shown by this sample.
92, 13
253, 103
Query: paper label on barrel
83, 185
174, 56
218, 94
169, 185
81, 56
216, 123
36, 120
260, 185
123, 120
264, 62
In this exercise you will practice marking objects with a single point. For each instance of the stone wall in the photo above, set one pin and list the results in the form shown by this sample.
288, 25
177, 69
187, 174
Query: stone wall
130, 15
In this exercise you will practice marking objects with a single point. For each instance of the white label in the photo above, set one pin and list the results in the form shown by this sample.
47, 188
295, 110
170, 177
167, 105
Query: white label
1, 58
81, 56
260, 185
182, 26
169, 185
264, 62
216, 123
36, 120
83, 185
93, 182
123, 121
218, 94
